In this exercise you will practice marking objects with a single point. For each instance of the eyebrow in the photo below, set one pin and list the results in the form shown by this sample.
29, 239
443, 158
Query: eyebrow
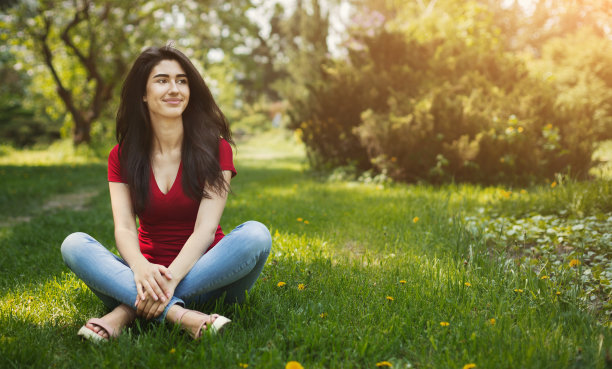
167, 76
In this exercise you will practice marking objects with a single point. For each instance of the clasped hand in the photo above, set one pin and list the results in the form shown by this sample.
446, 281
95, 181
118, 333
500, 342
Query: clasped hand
155, 287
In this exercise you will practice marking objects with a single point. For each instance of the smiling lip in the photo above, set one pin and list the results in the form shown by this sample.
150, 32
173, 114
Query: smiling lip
173, 101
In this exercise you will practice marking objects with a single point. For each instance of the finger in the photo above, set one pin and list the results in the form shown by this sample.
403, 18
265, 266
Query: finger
150, 290
165, 272
140, 290
151, 309
139, 308
146, 306
160, 309
161, 287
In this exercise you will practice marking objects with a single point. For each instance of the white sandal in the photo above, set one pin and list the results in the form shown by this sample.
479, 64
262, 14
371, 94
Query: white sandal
219, 322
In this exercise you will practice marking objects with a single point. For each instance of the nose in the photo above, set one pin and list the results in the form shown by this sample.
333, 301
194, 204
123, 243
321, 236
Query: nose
173, 87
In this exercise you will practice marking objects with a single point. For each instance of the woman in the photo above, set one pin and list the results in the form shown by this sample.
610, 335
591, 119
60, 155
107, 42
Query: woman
171, 169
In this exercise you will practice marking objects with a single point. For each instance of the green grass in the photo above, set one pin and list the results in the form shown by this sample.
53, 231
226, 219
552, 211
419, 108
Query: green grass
360, 241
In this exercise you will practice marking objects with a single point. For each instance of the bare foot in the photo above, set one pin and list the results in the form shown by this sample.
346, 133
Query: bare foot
121, 316
192, 321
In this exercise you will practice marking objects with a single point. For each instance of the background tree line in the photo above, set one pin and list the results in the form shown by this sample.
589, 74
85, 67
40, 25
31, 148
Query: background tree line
434, 90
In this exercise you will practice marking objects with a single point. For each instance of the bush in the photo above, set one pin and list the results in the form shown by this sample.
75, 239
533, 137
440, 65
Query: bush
20, 127
440, 100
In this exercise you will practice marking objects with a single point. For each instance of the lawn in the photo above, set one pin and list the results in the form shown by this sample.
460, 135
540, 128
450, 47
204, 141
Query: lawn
373, 274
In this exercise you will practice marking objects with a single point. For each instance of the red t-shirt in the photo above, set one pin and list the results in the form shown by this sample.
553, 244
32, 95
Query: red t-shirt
168, 220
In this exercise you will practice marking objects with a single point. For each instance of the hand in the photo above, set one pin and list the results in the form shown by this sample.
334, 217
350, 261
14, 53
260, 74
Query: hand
152, 280
150, 308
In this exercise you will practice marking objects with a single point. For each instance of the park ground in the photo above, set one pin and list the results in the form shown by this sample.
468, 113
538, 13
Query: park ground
363, 273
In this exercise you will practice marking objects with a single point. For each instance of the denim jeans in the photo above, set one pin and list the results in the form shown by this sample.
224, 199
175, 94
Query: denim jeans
230, 268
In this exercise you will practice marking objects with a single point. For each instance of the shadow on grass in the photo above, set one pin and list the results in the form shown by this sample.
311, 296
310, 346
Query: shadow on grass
24, 189
31, 251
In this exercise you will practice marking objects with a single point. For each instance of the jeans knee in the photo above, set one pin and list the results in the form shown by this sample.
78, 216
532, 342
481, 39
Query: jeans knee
259, 235
72, 245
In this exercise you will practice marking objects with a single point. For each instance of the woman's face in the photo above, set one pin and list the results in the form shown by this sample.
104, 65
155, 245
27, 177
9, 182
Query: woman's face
167, 93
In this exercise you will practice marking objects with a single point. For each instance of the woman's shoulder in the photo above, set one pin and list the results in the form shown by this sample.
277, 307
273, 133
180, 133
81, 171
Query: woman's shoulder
114, 150
113, 155
223, 143
224, 147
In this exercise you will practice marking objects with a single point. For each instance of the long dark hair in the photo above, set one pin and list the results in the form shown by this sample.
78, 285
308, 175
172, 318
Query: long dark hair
203, 126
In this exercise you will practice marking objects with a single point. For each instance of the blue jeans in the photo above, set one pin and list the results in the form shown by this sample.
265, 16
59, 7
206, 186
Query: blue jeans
230, 268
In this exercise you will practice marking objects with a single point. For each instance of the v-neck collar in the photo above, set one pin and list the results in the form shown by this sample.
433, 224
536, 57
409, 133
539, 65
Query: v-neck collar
178, 173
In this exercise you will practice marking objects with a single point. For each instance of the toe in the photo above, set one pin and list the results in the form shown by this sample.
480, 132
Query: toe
98, 330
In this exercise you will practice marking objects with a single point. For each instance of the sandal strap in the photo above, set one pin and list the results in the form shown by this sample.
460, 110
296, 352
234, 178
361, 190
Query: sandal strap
104, 325
209, 320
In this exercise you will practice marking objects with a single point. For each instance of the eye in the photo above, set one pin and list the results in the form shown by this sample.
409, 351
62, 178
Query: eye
183, 81
162, 80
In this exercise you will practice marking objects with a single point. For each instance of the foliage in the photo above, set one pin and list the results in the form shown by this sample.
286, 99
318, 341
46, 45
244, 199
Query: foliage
561, 233
432, 95
79, 51
19, 125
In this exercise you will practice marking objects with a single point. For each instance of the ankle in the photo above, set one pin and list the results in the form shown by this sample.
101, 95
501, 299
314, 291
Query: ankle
175, 313
124, 314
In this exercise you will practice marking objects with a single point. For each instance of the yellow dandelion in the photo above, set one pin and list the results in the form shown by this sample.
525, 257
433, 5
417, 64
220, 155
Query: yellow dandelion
281, 284
323, 315
554, 184
574, 263
415, 219
243, 365
301, 286
390, 298
393, 159
505, 194
444, 324
276, 234
469, 366
293, 365
172, 350
492, 321
518, 290
384, 363
306, 222
403, 281
520, 129
300, 219
544, 277
558, 293
468, 284
523, 192
549, 126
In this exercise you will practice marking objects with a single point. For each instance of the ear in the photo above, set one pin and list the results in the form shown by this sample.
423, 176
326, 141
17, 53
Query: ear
144, 98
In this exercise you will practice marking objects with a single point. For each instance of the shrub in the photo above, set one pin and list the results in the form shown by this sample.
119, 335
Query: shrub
440, 100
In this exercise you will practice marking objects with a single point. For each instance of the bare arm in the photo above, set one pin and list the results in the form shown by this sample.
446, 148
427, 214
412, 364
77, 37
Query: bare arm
209, 216
149, 278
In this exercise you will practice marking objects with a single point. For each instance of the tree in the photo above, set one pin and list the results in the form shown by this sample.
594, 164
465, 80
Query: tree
87, 46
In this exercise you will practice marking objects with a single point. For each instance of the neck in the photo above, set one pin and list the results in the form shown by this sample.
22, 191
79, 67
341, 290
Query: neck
167, 134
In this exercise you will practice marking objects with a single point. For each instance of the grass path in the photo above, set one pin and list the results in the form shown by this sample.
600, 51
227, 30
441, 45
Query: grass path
371, 275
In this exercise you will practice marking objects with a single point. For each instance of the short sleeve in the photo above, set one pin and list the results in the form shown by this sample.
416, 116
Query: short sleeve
226, 160
114, 168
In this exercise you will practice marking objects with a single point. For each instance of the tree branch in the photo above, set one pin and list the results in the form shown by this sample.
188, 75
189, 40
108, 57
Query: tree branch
87, 61
63, 93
